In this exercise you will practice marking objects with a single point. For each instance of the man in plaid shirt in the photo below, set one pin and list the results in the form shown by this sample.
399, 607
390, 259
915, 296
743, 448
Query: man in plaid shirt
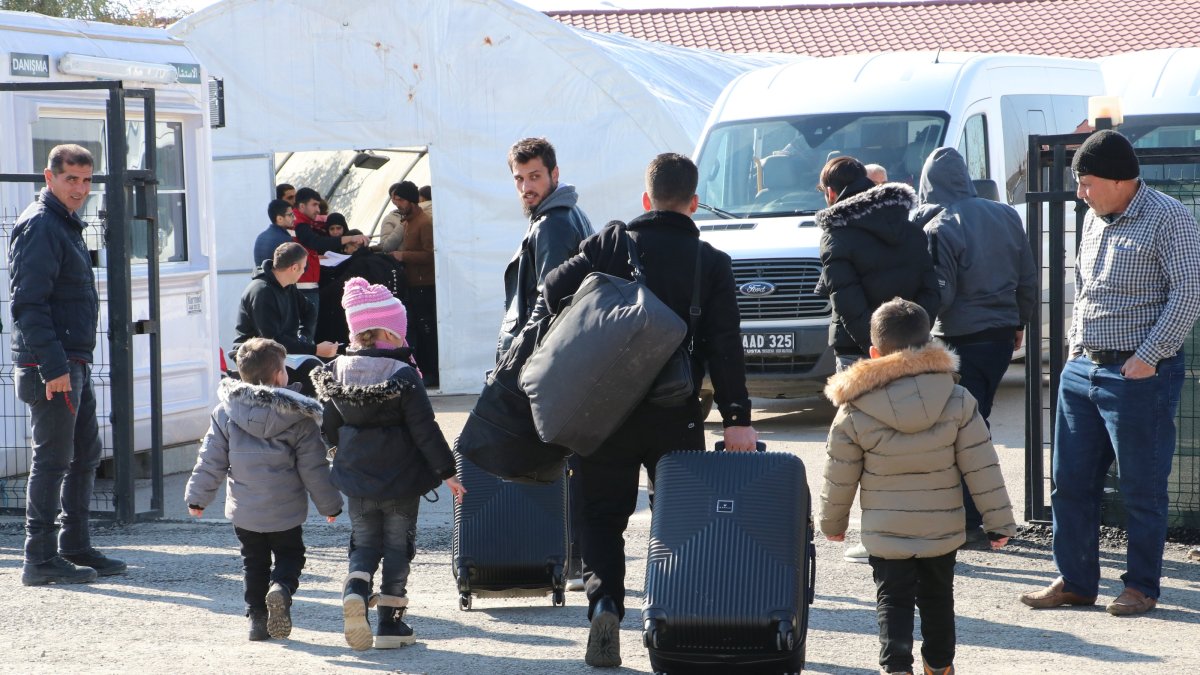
1137, 294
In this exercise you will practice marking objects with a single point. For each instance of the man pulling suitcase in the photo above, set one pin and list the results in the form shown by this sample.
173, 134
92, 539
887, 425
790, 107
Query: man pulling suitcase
666, 239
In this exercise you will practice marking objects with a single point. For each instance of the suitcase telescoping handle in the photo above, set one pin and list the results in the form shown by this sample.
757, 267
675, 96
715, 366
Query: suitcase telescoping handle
758, 445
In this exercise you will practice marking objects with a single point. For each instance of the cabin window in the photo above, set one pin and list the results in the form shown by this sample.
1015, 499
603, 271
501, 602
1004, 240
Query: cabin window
974, 147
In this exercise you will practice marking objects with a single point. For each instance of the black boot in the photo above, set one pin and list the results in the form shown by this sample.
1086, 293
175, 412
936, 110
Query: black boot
604, 639
258, 624
104, 565
354, 611
279, 611
56, 570
392, 632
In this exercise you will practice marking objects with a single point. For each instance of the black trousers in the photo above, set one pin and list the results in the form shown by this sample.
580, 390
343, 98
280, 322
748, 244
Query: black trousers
422, 331
981, 367
929, 584
287, 547
608, 483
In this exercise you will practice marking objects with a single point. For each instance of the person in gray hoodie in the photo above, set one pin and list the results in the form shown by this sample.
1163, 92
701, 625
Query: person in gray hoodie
988, 282
264, 442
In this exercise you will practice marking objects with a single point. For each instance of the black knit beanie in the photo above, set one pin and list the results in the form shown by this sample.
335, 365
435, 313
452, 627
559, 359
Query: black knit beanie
1106, 154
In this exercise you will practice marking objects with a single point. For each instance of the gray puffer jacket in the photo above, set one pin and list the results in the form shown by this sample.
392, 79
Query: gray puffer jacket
909, 436
981, 255
266, 442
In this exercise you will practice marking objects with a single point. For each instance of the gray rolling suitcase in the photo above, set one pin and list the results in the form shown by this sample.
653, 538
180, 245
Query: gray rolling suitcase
510, 539
731, 565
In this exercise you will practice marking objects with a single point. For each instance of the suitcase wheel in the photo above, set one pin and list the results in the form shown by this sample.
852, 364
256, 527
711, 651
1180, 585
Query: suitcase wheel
785, 638
558, 598
464, 601
650, 635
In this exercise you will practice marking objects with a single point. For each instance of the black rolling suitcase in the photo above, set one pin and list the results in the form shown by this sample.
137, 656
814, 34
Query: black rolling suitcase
731, 564
510, 539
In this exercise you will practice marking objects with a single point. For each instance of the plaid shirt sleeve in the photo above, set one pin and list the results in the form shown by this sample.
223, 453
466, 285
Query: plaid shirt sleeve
1178, 245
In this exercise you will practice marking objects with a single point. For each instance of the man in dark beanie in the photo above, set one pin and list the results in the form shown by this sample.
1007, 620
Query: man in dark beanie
1137, 294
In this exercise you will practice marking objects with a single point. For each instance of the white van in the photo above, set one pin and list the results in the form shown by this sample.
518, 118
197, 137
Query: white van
48, 51
1159, 92
772, 130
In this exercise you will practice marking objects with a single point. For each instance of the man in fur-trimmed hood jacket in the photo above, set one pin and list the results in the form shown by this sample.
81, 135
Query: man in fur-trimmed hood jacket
871, 253
909, 435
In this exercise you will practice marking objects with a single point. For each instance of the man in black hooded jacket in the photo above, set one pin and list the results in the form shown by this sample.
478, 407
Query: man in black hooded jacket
666, 239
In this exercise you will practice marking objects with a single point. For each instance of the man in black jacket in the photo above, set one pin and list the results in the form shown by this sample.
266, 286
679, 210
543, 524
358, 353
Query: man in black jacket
272, 307
666, 239
55, 309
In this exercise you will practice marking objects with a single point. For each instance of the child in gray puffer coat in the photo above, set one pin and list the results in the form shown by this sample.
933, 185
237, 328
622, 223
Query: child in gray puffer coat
264, 442
389, 452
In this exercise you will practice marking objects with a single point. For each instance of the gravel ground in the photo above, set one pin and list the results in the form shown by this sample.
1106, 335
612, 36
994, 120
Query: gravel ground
179, 607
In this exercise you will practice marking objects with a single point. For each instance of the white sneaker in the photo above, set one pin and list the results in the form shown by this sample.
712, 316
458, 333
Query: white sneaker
575, 584
856, 554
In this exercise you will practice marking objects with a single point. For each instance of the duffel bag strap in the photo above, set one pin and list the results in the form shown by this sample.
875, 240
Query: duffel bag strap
635, 262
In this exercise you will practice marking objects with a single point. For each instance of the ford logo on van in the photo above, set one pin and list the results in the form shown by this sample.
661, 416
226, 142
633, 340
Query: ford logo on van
757, 289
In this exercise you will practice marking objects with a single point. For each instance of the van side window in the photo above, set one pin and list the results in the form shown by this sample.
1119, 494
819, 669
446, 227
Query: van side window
974, 146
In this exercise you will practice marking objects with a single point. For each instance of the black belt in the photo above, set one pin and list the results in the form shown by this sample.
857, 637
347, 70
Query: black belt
1107, 357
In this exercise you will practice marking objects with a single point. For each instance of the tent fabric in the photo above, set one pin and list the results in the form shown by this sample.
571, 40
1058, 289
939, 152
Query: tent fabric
465, 79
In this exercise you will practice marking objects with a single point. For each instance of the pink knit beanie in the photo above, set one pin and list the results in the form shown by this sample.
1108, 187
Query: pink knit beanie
370, 306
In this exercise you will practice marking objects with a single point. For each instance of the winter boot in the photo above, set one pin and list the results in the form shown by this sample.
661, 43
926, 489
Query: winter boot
392, 632
279, 611
258, 625
354, 610
104, 565
604, 638
56, 570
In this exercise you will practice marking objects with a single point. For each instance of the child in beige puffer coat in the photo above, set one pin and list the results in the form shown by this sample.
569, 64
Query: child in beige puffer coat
908, 434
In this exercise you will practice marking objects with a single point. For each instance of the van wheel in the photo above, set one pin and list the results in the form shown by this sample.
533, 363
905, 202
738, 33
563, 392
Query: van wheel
706, 403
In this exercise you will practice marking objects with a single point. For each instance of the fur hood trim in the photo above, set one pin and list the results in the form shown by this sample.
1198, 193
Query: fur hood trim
279, 399
888, 195
869, 375
329, 387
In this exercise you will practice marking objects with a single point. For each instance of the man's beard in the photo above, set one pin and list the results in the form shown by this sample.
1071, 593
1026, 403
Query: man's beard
530, 209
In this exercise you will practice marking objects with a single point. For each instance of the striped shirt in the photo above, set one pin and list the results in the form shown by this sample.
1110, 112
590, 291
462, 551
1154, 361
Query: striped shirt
1137, 279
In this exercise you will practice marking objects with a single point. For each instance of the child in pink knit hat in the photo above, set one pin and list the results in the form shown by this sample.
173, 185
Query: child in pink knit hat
389, 452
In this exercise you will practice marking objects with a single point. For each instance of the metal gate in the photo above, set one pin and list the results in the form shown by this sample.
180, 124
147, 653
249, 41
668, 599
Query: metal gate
129, 199
1052, 230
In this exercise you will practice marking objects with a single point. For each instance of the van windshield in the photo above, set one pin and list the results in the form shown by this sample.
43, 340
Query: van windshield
770, 167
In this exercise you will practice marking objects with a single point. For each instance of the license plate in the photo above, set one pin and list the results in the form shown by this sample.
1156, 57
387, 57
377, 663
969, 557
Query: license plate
756, 344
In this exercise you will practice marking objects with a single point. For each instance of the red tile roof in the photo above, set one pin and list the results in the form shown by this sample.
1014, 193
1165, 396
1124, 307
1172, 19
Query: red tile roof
1077, 28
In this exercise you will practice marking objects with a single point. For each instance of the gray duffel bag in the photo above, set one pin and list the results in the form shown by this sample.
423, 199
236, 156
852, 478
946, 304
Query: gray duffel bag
598, 360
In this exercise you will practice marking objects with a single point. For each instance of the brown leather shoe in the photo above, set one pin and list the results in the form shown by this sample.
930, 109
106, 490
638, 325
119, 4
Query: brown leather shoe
1131, 601
1055, 596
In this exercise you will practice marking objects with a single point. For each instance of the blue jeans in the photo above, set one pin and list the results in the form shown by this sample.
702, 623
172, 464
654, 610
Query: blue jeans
1103, 416
843, 362
384, 529
981, 366
66, 452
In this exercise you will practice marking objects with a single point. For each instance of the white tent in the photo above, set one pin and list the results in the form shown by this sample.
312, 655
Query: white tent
464, 79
